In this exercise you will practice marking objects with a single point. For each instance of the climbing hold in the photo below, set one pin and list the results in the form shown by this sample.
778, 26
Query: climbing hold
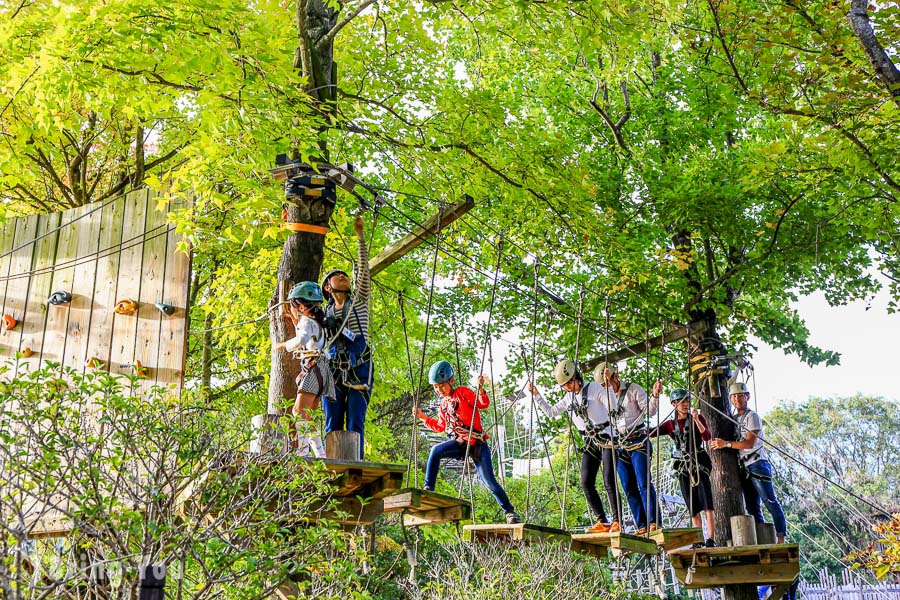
60, 298
140, 370
27, 352
126, 307
166, 309
9, 322
94, 363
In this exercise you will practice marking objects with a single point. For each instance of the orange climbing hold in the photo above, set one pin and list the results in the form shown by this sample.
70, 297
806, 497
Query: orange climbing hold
126, 307
94, 363
140, 370
9, 322
27, 352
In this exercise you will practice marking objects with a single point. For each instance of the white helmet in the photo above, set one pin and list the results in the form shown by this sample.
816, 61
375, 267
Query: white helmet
564, 371
600, 370
737, 387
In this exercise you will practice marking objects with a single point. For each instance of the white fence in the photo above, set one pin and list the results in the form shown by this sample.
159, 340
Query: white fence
847, 586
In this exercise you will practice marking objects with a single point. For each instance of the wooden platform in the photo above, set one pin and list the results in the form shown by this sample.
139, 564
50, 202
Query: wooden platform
717, 567
361, 478
422, 507
359, 487
672, 538
521, 532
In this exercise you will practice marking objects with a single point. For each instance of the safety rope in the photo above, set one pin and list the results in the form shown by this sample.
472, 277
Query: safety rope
412, 465
416, 397
487, 336
569, 457
532, 415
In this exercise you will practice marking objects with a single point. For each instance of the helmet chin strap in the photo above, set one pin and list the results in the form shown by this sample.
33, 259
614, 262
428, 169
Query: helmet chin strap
333, 290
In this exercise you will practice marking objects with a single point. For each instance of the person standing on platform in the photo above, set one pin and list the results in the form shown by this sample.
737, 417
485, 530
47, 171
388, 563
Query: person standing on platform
628, 406
314, 380
690, 461
458, 416
756, 470
347, 320
590, 417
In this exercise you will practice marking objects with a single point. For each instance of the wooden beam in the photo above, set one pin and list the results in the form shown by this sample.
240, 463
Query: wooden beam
434, 225
672, 335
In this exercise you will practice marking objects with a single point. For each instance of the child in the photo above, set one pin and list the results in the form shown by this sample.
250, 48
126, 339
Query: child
308, 344
690, 460
458, 416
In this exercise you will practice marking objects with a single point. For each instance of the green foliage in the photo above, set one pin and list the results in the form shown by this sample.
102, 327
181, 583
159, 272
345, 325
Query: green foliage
851, 441
154, 478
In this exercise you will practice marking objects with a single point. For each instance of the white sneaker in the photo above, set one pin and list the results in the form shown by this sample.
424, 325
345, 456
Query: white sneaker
318, 448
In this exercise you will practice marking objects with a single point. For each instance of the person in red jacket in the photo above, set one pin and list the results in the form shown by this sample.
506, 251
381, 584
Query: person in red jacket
458, 416
690, 461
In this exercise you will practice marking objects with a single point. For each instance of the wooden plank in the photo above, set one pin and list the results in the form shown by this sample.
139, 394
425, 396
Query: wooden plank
623, 543
63, 276
778, 592
87, 231
736, 574
419, 499
37, 306
592, 544
173, 328
672, 335
107, 279
384, 486
435, 224
124, 331
775, 551
152, 274
17, 286
521, 532
7, 242
436, 516
672, 538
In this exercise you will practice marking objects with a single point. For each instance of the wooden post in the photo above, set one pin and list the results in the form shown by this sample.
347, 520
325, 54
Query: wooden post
743, 530
271, 435
342, 445
765, 533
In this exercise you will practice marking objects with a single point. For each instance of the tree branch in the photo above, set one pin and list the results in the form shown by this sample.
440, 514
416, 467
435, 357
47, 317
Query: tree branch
885, 69
329, 37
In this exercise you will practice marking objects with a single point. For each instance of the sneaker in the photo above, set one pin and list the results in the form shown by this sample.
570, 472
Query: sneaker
653, 527
615, 528
641, 531
697, 545
710, 543
427, 488
512, 518
600, 527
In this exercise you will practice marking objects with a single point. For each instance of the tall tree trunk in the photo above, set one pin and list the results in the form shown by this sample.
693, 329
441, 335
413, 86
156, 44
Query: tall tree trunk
703, 344
303, 253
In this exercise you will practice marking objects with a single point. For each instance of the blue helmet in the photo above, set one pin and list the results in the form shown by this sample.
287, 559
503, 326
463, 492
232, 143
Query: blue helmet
440, 372
678, 394
307, 291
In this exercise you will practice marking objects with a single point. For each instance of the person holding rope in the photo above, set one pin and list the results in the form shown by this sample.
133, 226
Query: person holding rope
756, 470
314, 379
628, 406
347, 319
458, 416
690, 461
590, 417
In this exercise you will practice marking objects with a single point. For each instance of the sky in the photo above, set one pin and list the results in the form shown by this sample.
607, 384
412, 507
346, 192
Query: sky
864, 338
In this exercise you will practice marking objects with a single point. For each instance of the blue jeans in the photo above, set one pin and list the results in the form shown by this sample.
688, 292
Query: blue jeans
757, 485
633, 468
481, 455
348, 409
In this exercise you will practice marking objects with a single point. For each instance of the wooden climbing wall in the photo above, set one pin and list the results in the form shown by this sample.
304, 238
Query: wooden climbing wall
101, 254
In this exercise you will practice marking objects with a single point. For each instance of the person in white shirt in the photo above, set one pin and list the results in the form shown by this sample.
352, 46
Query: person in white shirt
628, 405
590, 417
756, 470
315, 379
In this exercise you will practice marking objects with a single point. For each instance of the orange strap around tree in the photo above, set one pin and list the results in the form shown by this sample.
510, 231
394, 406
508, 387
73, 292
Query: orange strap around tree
306, 227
